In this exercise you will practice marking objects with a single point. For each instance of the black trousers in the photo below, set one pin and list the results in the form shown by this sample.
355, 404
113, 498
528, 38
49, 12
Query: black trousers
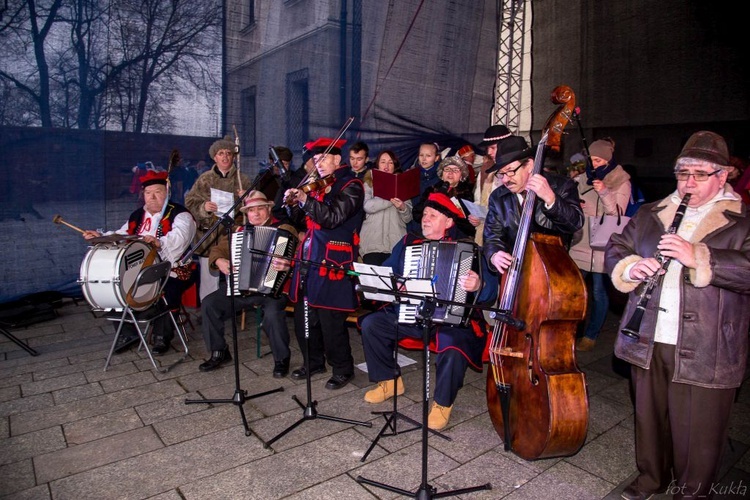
328, 337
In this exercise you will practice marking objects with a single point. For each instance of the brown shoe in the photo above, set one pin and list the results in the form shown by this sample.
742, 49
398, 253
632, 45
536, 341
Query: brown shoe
384, 391
631, 493
585, 344
439, 416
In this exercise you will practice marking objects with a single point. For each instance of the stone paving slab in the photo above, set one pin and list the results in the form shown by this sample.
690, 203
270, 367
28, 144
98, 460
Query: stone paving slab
16, 476
75, 459
101, 426
279, 475
53, 384
161, 470
31, 444
77, 393
70, 412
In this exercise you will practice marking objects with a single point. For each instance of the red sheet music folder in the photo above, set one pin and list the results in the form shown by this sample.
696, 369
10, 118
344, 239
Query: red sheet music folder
403, 186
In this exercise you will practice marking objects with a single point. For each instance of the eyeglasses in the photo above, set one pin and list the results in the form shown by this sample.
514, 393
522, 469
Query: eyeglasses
698, 176
453, 170
509, 173
224, 153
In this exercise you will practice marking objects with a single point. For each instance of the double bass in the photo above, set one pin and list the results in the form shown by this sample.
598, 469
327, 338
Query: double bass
536, 395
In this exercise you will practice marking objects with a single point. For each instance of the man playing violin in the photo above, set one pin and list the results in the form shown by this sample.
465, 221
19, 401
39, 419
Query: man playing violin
557, 210
217, 306
690, 352
333, 214
170, 228
458, 347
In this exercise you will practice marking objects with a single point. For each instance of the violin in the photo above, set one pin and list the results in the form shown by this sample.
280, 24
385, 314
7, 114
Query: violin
311, 187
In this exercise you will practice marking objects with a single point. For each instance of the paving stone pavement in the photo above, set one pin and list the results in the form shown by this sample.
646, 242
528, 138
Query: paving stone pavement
70, 430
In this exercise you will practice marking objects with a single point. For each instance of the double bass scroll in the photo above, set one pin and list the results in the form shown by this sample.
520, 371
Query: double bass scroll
536, 396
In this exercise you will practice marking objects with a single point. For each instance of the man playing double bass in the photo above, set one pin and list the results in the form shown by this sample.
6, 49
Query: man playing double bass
557, 210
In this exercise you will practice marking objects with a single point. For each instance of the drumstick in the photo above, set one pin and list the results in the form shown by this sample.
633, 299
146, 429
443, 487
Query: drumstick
57, 219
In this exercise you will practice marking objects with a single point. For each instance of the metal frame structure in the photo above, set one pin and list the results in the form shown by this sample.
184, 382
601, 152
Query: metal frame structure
508, 86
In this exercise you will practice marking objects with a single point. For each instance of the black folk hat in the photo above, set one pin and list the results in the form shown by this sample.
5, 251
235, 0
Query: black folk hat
510, 149
493, 135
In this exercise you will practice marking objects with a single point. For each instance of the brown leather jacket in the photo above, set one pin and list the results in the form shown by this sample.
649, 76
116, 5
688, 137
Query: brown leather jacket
712, 342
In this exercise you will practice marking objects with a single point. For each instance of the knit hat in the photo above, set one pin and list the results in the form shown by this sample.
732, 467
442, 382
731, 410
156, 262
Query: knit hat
226, 143
455, 161
256, 199
444, 205
707, 146
283, 152
603, 148
153, 177
493, 135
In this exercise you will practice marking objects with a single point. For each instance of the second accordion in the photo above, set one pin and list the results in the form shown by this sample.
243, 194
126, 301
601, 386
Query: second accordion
253, 250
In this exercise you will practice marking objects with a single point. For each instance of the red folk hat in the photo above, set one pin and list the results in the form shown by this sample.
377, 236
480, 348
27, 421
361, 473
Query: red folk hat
444, 205
153, 177
320, 145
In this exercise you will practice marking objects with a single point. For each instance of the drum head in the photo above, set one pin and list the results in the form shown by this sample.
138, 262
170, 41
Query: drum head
108, 273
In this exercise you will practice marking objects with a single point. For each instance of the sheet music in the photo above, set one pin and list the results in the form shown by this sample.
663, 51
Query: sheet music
376, 277
224, 200
476, 210
421, 287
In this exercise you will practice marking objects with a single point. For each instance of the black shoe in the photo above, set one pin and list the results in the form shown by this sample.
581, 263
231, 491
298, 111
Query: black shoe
301, 373
281, 368
123, 343
338, 381
218, 358
161, 345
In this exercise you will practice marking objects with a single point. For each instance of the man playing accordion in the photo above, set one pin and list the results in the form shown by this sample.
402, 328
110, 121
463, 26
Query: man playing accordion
457, 346
216, 307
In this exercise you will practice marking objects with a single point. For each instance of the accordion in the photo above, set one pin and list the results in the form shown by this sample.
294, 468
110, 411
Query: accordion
252, 252
445, 262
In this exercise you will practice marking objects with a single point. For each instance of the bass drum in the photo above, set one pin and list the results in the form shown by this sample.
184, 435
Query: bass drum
108, 272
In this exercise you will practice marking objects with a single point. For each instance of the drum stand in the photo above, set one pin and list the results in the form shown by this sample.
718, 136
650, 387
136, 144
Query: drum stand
310, 411
425, 491
240, 395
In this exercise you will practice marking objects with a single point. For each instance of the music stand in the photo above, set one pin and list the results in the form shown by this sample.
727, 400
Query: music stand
379, 278
240, 395
309, 409
425, 311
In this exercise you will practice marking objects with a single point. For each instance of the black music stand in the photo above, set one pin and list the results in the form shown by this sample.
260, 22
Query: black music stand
309, 410
240, 395
390, 427
425, 311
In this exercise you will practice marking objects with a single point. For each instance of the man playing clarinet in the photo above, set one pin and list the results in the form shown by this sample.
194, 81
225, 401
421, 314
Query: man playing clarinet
689, 352
333, 213
458, 347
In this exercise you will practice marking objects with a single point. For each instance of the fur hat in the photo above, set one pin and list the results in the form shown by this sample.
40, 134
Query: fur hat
706, 146
603, 148
256, 199
455, 161
226, 143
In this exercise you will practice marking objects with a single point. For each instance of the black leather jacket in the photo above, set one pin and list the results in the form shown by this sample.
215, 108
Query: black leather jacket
563, 218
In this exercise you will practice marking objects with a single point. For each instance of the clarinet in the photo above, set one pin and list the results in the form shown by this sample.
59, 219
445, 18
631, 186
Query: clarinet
633, 326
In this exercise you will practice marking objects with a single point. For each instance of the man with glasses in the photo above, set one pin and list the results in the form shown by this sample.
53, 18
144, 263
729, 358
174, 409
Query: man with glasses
199, 200
557, 210
691, 352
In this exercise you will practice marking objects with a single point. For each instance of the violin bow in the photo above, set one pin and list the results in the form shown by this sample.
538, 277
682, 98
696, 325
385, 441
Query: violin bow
330, 146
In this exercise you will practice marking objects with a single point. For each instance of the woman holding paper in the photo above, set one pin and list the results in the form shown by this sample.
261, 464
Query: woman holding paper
385, 220
606, 192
